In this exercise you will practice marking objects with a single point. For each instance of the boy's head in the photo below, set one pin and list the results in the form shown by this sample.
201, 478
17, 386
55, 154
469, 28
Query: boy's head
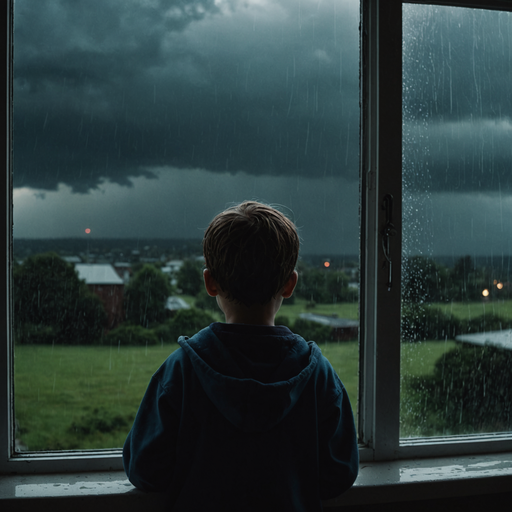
251, 251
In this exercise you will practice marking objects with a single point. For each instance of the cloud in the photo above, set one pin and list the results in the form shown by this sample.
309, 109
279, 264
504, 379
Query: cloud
457, 110
459, 156
106, 90
180, 204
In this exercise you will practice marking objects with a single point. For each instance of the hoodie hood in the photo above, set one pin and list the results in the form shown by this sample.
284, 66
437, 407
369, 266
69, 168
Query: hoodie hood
249, 404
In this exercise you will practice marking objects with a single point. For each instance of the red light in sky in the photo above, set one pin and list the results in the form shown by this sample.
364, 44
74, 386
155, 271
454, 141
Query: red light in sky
327, 264
87, 230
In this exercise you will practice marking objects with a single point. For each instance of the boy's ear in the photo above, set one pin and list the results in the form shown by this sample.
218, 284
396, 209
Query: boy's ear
290, 285
210, 284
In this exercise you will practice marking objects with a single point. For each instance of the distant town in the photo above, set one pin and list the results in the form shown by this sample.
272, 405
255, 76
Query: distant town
139, 250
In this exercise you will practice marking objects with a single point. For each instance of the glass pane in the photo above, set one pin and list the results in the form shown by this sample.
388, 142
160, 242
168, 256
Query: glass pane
457, 233
134, 124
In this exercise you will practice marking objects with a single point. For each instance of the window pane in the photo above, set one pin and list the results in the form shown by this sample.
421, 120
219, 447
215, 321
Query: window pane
457, 234
134, 124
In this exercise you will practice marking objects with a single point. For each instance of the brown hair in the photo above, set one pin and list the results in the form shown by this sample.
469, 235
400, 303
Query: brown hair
251, 250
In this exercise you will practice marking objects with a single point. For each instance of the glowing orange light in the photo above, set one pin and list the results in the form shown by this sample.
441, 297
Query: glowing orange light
485, 293
499, 286
88, 230
495, 282
327, 264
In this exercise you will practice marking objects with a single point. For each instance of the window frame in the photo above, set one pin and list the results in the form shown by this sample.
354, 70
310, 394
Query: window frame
381, 170
381, 174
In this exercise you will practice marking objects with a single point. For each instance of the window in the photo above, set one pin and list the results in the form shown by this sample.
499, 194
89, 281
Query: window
388, 157
225, 102
385, 200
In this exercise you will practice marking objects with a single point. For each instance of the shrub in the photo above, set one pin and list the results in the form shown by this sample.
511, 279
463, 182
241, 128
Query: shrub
188, 322
39, 334
131, 335
484, 323
164, 333
422, 322
312, 331
469, 391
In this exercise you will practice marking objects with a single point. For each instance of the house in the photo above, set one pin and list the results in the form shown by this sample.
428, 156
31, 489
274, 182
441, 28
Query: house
104, 281
174, 304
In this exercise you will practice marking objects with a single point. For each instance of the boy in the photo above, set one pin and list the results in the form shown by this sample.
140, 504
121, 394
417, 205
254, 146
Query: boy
246, 415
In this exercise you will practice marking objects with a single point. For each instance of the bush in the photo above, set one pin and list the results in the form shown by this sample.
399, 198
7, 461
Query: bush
35, 334
485, 323
422, 322
312, 331
188, 322
164, 333
131, 335
470, 391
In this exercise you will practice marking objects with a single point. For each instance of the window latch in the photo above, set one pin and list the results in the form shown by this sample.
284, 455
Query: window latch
388, 231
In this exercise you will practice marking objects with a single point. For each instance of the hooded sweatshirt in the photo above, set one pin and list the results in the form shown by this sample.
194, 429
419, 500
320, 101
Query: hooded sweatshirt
244, 418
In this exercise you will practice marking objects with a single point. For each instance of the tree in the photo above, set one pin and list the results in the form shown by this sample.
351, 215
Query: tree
146, 296
51, 304
467, 281
336, 285
190, 277
311, 285
424, 280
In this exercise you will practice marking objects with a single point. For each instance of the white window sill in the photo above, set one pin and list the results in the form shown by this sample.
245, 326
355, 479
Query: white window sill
378, 482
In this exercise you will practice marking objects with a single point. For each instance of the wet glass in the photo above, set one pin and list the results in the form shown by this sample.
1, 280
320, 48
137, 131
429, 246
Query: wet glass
457, 203
134, 124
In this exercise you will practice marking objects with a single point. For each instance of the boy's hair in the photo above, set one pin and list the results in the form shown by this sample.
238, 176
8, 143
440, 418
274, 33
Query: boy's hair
251, 250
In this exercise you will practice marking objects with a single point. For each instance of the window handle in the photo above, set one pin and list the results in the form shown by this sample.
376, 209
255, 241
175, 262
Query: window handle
388, 231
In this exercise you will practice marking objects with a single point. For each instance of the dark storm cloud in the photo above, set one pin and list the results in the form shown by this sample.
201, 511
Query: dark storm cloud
107, 90
457, 99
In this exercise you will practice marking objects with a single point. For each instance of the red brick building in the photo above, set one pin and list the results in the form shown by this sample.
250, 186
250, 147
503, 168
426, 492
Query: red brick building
104, 281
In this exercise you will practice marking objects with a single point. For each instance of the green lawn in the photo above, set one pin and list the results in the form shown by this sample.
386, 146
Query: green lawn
86, 397
474, 309
96, 388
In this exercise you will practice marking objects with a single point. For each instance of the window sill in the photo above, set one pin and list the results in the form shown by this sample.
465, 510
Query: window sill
378, 482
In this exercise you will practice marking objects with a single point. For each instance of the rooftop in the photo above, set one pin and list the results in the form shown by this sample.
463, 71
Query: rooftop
96, 273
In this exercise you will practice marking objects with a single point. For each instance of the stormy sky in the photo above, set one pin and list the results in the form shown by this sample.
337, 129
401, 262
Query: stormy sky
147, 117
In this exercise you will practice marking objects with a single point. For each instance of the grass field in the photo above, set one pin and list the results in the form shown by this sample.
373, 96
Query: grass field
69, 397
474, 309
86, 397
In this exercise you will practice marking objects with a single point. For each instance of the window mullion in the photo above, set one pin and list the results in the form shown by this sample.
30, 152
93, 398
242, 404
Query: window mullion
382, 164
6, 422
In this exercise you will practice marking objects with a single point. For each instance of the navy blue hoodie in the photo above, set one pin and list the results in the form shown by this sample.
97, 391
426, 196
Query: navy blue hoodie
257, 421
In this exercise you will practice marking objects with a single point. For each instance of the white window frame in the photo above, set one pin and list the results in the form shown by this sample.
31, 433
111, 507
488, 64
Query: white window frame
381, 174
381, 164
